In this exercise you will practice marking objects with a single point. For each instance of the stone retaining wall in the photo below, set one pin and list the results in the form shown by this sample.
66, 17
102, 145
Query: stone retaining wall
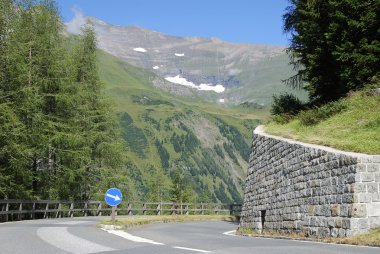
292, 186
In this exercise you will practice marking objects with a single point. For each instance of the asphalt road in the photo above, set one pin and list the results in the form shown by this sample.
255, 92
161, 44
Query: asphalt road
81, 236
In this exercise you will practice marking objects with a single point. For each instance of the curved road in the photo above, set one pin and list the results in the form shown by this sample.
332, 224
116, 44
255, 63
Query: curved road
81, 236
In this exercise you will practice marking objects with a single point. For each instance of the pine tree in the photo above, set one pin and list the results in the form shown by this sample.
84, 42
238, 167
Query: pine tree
94, 117
334, 47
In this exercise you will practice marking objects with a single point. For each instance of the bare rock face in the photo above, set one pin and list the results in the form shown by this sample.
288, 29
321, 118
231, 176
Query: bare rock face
247, 72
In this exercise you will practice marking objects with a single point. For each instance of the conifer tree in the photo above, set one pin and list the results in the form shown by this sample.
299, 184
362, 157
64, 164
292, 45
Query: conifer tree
335, 45
94, 117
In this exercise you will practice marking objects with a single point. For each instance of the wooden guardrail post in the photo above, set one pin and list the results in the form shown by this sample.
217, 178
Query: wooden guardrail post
20, 212
129, 209
158, 209
99, 209
46, 210
7, 210
33, 215
144, 208
71, 212
58, 214
85, 209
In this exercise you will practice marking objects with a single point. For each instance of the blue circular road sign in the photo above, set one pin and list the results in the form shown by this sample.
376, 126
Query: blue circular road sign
113, 197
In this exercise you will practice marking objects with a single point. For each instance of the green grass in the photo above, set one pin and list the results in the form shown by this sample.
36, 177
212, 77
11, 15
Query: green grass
355, 127
136, 221
371, 238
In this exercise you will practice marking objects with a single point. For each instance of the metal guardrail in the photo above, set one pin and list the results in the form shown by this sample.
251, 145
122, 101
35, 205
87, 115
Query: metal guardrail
12, 210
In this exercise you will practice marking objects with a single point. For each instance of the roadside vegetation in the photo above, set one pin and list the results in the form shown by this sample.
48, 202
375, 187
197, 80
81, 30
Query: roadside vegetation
350, 124
334, 49
371, 238
136, 221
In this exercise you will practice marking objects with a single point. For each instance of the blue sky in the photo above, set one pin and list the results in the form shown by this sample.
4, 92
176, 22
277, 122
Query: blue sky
252, 21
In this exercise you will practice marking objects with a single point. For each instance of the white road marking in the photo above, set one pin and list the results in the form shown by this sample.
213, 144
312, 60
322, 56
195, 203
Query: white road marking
61, 238
230, 233
190, 249
132, 237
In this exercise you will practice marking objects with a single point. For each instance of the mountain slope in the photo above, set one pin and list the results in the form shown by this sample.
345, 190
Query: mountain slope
209, 144
246, 72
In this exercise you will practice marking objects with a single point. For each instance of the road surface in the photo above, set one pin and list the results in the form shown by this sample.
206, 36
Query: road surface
81, 236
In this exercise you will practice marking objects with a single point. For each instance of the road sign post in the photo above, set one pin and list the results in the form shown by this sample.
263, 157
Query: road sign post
113, 197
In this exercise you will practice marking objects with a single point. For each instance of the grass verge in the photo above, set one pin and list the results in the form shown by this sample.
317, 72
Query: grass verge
137, 221
371, 238
351, 124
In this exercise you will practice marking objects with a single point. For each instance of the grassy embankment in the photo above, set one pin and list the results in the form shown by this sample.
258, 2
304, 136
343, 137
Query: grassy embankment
351, 124
368, 239
137, 221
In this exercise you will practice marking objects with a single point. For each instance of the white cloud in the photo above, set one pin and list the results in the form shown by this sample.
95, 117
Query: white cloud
156, 67
202, 87
179, 54
140, 50
74, 25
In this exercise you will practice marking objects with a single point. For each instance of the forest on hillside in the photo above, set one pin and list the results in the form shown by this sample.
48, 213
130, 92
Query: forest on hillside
58, 135
63, 137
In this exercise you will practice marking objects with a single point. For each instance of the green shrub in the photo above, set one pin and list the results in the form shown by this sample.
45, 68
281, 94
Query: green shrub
286, 104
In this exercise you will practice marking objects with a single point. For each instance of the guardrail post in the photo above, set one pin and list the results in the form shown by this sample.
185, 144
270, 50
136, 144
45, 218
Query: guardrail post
202, 209
158, 209
33, 216
99, 210
187, 209
46, 213
129, 209
20, 212
85, 209
173, 209
71, 212
7, 210
144, 208
58, 214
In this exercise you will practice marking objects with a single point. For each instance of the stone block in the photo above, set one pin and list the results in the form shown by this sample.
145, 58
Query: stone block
362, 198
375, 197
338, 222
373, 209
344, 208
335, 210
373, 187
346, 223
374, 222
373, 167
377, 177
361, 168
359, 187
359, 224
368, 177
358, 210
347, 198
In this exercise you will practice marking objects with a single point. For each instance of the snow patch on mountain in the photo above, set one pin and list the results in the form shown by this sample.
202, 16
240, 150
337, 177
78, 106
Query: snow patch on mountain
142, 50
179, 54
156, 67
202, 87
